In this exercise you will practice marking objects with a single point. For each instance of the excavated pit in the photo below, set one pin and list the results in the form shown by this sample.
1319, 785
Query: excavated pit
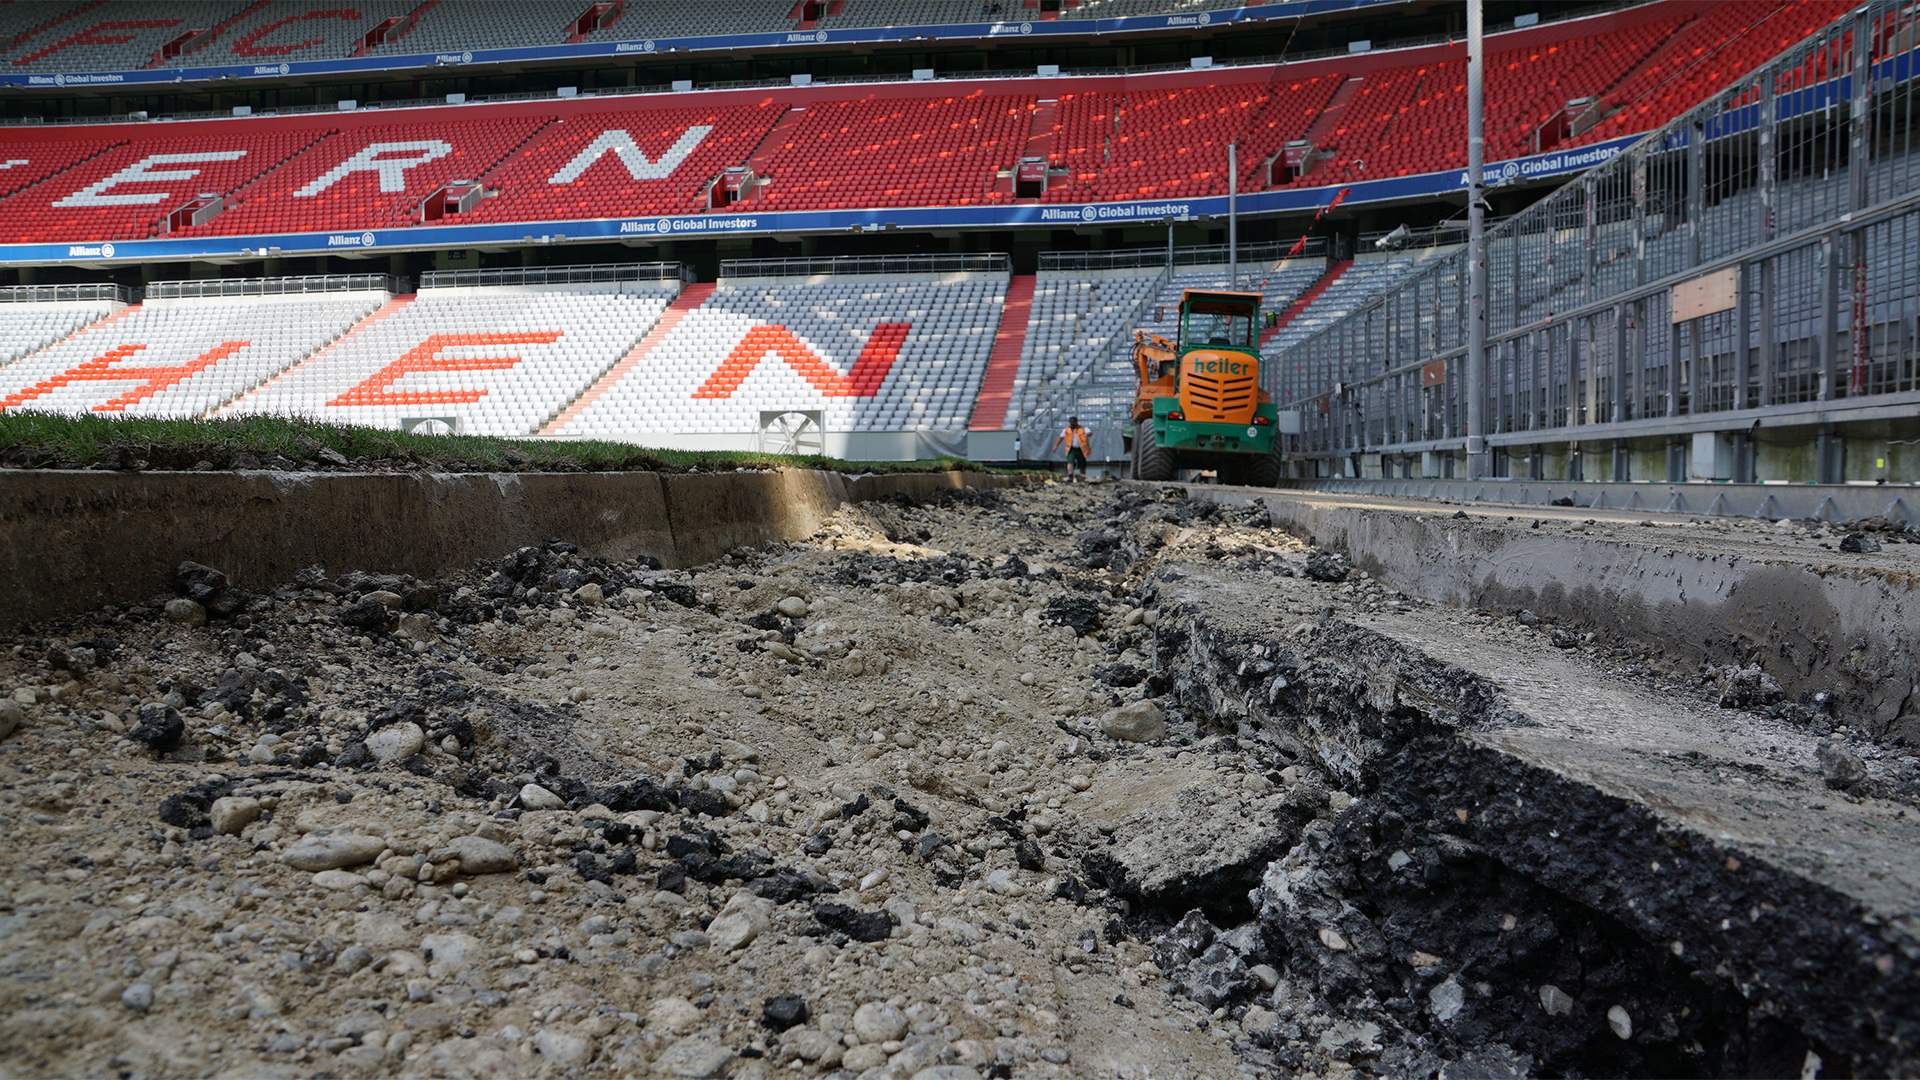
1070, 780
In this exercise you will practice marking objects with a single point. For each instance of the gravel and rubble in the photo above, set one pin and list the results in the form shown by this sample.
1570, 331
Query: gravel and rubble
922, 797
810, 810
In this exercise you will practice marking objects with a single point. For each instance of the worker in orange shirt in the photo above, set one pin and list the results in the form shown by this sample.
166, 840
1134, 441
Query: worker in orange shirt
1074, 438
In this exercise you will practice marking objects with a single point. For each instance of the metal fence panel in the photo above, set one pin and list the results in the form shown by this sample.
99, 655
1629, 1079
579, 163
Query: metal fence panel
1788, 205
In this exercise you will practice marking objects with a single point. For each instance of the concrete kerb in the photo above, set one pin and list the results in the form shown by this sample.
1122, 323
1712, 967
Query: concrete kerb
1847, 629
72, 541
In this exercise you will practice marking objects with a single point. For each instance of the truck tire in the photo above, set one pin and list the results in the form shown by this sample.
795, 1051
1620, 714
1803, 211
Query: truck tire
1262, 470
1151, 461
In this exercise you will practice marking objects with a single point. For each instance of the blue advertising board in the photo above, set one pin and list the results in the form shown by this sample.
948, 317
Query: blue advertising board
364, 65
656, 229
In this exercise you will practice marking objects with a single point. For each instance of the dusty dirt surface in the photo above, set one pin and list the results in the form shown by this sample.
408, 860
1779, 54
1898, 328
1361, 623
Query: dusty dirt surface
814, 808
901, 801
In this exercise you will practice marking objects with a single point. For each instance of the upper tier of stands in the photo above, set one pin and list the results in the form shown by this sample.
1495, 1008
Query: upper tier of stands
649, 162
859, 147
371, 177
1413, 119
127, 35
928, 151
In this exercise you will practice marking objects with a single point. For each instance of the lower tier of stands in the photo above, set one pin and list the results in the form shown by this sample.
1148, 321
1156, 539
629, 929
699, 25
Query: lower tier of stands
616, 360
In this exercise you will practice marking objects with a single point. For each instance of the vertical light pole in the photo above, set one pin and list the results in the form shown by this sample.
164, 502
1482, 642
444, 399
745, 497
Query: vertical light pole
1476, 246
1233, 216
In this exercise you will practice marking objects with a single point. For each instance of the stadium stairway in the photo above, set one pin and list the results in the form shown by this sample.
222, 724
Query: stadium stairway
407, 26
239, 195
776, 137
1306, 300
1003, 363
160, 58
1046, 112
1329, 117
690, 298
380, 314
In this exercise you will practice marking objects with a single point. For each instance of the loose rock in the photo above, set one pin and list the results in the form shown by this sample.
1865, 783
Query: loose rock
396, 742
535, 797
479, 855
698, 1057
1139, 721
333, 851
877, 1022
233, 813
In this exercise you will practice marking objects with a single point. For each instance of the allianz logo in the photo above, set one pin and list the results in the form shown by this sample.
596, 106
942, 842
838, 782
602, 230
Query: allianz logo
90, 251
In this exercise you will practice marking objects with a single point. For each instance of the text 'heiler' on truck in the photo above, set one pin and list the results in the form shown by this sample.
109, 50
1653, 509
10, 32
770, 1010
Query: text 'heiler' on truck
1199, 404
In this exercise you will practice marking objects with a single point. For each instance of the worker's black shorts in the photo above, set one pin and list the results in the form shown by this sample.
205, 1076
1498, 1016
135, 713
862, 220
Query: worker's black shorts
1077, 458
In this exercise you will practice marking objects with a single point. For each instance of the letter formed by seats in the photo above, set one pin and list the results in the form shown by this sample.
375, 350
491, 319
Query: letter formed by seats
426, 357
92, 36
103, 368
246, 47
864, 380
94, 194
372, 158
639, 166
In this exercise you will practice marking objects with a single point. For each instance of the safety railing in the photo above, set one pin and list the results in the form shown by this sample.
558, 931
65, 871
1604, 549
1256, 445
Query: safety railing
867, 264
1105, 410
1755, 261
272, 286
604, 273
40, 294
1251, 255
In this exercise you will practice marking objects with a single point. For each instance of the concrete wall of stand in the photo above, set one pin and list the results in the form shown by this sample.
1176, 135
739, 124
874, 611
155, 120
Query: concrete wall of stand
1851, 630
74, 541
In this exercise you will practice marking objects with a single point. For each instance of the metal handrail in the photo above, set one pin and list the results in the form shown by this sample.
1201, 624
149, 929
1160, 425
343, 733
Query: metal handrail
27, 294
867, 264
1199, 255
272, 286
585, 274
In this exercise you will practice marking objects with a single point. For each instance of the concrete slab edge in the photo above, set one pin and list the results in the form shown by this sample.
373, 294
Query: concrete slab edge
1850, 631
73, 541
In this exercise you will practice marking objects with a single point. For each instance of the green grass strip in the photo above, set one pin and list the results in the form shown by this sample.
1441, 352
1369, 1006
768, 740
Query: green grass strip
33, 440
